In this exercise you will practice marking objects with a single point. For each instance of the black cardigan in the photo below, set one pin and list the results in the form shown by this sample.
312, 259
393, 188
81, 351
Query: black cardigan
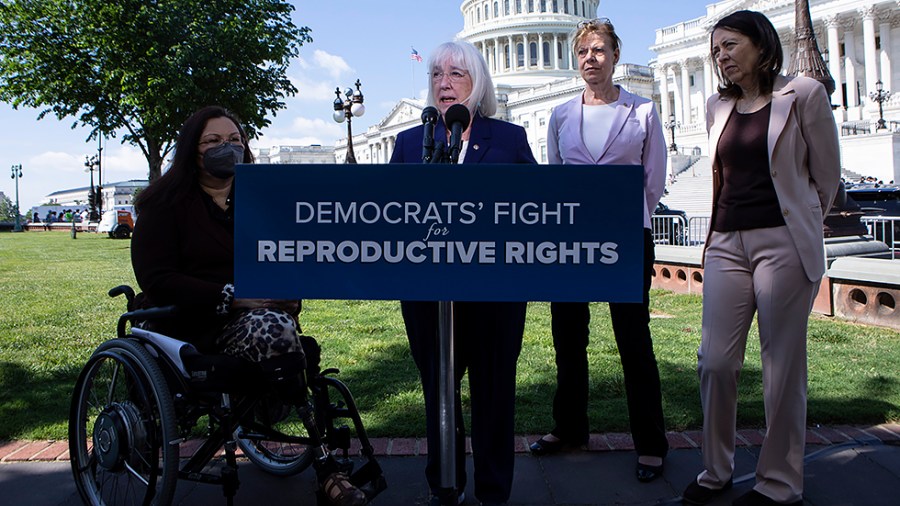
183, 254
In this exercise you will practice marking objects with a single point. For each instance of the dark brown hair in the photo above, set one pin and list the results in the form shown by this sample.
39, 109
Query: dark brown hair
760, 31
182, 173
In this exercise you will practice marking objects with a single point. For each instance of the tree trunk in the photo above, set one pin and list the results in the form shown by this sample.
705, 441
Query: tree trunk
154, 160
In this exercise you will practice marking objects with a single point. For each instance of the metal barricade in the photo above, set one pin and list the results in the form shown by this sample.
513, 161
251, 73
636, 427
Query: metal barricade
669, 229
698, 226
885, 229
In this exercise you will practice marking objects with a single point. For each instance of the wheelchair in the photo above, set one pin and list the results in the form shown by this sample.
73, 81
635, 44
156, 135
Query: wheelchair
143, 397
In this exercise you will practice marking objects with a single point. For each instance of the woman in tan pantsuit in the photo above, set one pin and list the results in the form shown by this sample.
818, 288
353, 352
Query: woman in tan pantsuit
776, 169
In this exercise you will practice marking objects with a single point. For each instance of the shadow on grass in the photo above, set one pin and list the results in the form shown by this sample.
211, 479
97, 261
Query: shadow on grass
34, 404
31, 404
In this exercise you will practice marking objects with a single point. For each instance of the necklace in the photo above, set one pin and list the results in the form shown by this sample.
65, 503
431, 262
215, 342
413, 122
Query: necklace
746, 105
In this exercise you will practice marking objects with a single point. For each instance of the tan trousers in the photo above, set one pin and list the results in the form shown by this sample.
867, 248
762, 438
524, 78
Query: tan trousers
745, 272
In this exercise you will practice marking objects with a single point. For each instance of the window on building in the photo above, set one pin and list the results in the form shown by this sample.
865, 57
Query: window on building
530, 5
575, 8
506, 7
487, 12
525, 124
566, 6
555, 6
559, 50
543, 153
506, 57
878, 42
542, 121
496, 9
532, 58
543, 5
518, 6
520, 55
478, 14
546, 46
691, 81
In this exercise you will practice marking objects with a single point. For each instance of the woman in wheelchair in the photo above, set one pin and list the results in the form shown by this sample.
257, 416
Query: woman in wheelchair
182, 253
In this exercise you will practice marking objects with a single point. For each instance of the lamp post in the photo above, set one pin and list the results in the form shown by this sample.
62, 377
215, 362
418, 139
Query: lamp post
672, 125
16, 174
346, 108
90, 163
881, 96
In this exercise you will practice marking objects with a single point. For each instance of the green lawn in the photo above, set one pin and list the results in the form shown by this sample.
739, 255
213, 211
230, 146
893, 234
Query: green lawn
54, 311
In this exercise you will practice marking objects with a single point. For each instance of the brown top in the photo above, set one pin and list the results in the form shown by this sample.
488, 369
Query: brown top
747, 198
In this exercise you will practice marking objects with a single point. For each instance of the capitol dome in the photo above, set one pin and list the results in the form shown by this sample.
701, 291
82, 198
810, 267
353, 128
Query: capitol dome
525, 42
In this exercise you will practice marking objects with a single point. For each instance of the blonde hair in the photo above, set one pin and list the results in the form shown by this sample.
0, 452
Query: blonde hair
600, 26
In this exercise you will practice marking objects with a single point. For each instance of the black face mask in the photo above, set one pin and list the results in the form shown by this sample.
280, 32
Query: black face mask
220, 160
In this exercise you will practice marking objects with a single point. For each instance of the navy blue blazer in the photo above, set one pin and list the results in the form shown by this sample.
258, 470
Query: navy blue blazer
490, 141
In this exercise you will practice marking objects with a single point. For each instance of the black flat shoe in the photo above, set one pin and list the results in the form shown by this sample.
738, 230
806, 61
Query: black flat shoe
696, 493
546, 447
646, 473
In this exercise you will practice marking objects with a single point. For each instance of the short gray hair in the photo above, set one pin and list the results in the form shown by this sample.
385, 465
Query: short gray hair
467, 57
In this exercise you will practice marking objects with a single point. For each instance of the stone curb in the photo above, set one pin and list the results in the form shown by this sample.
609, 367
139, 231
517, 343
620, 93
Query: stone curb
58, 451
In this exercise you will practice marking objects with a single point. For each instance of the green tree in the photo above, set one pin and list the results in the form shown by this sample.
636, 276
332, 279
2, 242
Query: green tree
7, 209
143, 66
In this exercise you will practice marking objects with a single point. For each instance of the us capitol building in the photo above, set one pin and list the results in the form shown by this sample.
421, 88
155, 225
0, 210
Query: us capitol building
526, 45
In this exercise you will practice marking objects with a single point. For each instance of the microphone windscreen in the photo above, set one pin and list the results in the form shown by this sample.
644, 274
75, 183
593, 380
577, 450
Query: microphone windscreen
457, 113
429, 114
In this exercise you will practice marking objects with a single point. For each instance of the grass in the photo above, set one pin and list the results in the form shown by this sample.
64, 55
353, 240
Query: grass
54, 311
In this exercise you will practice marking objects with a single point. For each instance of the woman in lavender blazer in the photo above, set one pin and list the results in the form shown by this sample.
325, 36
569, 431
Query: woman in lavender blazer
607, 125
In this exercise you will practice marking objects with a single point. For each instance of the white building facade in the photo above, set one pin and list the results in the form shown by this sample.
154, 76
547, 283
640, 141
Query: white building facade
527, 46
860, 41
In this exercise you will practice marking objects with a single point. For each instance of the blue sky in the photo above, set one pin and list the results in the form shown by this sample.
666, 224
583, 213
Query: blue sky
367, 39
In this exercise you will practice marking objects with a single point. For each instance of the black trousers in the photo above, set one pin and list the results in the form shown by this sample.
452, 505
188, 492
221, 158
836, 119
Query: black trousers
488, 339
631, 326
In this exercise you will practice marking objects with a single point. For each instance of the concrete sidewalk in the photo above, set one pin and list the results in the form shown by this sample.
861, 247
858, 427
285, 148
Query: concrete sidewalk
845, 466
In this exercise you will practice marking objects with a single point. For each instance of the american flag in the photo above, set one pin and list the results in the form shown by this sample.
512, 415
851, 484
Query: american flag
415, 55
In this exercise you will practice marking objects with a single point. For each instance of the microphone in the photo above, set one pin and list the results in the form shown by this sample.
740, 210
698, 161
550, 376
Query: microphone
457, 118
429, 118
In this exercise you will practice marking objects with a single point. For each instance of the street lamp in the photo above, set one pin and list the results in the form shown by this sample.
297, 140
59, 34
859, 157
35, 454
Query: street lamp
90, 163
346, 108
672, 125
881, 96
16, 174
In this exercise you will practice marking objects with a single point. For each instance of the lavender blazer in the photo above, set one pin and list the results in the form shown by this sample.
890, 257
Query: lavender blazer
636, 138
804, 160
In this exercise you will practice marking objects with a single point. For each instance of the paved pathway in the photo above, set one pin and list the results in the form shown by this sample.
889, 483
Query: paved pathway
846, 466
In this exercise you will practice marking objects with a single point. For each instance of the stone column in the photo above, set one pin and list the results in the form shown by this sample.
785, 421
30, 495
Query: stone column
869, 51
540, 64
834, 59
884, 30
677, 92
555, 51
685, 93
850, 62
663, 72
708, 86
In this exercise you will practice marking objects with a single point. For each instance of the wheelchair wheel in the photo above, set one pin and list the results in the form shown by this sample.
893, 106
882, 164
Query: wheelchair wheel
123, 442
276, 440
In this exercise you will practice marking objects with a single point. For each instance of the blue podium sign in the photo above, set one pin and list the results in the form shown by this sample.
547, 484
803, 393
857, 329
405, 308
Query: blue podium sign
439, 232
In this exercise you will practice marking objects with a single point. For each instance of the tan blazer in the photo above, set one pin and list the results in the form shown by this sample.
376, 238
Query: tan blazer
804, 160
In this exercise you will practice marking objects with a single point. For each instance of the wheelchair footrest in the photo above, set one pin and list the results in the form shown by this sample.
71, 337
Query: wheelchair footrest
370, 479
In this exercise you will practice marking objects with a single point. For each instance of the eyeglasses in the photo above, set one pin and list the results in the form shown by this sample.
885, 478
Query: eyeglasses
596, 23
454, 76
215, 140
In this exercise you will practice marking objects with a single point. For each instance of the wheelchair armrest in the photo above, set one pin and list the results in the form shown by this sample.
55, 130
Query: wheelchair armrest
153, 313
